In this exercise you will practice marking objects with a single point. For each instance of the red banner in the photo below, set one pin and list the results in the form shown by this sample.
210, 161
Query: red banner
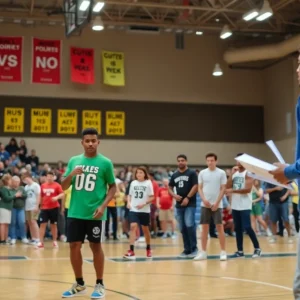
82, 65
11, 59
46, 61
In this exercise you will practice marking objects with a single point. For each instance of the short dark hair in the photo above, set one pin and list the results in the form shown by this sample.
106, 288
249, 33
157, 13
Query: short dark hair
211, 155
182, 156
91, 131
240, 154
50, 173
144, 170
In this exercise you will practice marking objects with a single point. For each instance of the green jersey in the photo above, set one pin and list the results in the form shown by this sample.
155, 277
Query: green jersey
89, 189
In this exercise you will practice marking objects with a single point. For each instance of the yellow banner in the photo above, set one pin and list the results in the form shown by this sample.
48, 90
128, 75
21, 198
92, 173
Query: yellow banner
91, 118
67, 121
113, 68
13, 119
41, 120
115, 123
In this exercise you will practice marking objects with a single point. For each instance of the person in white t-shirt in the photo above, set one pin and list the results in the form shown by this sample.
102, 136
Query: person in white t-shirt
32, 204
239, 186
140, 197
212, 185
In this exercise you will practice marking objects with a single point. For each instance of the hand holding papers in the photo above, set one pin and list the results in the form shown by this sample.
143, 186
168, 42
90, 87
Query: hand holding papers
259, 169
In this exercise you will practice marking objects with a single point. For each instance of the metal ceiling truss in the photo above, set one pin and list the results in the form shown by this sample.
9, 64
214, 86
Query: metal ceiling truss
209, 15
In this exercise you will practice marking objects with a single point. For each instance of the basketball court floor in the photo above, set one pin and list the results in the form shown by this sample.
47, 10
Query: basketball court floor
27, 273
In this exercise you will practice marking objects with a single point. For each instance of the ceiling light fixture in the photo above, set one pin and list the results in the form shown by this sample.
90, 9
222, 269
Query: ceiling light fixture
84, 5
265, 12
217, 70
97, 24
98, 6
251, 14
226, 32
199, 32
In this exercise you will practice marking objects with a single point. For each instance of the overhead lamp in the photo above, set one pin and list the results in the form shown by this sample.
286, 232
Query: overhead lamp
98, 6
199, 32
97, 24
251, 14
217, 70
265, 12
84, 5
226, 32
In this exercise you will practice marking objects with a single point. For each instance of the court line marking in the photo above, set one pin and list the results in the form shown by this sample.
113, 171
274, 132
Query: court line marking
62, 282
258, 282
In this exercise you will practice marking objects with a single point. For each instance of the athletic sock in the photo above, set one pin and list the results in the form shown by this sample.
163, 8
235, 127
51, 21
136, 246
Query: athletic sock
80, 281
100, 281
132, 248
148, 247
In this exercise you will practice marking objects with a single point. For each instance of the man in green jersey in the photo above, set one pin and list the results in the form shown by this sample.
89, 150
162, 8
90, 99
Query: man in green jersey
93, 186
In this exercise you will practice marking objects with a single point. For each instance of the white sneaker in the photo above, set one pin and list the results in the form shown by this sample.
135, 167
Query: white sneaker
269, 232
223, 255
12, 241
290, 241
141, 239
25, 241
202, 255
272, 240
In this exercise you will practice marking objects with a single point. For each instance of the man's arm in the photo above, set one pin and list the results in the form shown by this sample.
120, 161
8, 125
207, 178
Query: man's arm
200, 191
221, 194
259, 194
274, 189
248, 187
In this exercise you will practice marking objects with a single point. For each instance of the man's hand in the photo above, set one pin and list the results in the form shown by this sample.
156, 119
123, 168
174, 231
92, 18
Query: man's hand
54, 199
278, 173
36, 210
206, 203
215, 207
228, 192
77, 171
99, 212
283, 198
234, 169
140, 206
178, 198
128, 205
185, 202
18, 194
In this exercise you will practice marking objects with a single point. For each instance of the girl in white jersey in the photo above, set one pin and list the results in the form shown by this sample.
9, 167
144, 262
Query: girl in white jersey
139, 199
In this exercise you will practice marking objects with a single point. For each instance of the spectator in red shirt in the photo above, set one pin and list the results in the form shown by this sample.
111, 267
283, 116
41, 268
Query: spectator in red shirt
51, 192
153, 213
165, 206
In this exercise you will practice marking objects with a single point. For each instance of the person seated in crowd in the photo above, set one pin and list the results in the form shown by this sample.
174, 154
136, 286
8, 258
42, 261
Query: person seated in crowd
4, 155
12, 146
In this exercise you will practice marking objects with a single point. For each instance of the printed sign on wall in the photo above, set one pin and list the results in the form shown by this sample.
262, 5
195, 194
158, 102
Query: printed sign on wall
82, 65
11, 49
115, 123
67, 121
41, 120
113, 68
91, 118
13, 119
46, 61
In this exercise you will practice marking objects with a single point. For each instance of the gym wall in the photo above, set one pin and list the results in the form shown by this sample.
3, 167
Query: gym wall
280, 101
157, 75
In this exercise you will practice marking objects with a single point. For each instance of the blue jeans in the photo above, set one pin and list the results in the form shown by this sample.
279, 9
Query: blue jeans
17, 222
187, 226
242, 222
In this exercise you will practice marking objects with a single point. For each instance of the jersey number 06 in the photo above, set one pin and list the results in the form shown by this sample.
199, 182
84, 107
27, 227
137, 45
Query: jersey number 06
86, 182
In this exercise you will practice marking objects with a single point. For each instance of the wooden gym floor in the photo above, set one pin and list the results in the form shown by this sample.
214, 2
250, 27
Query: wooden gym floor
27, 273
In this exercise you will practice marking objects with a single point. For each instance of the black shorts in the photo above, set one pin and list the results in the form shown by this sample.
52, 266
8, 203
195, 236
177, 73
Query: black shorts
49, 215
141, 218
78, 229
207, 214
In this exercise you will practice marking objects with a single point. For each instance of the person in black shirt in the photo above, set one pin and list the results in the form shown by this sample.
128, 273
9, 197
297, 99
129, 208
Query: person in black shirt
278, 208
183, 187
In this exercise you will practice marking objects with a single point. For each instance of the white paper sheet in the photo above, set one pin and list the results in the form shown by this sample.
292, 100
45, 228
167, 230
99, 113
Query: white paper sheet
276, 152
259, 169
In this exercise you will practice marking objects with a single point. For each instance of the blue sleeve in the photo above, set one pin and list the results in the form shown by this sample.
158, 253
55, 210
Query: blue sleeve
293, 171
